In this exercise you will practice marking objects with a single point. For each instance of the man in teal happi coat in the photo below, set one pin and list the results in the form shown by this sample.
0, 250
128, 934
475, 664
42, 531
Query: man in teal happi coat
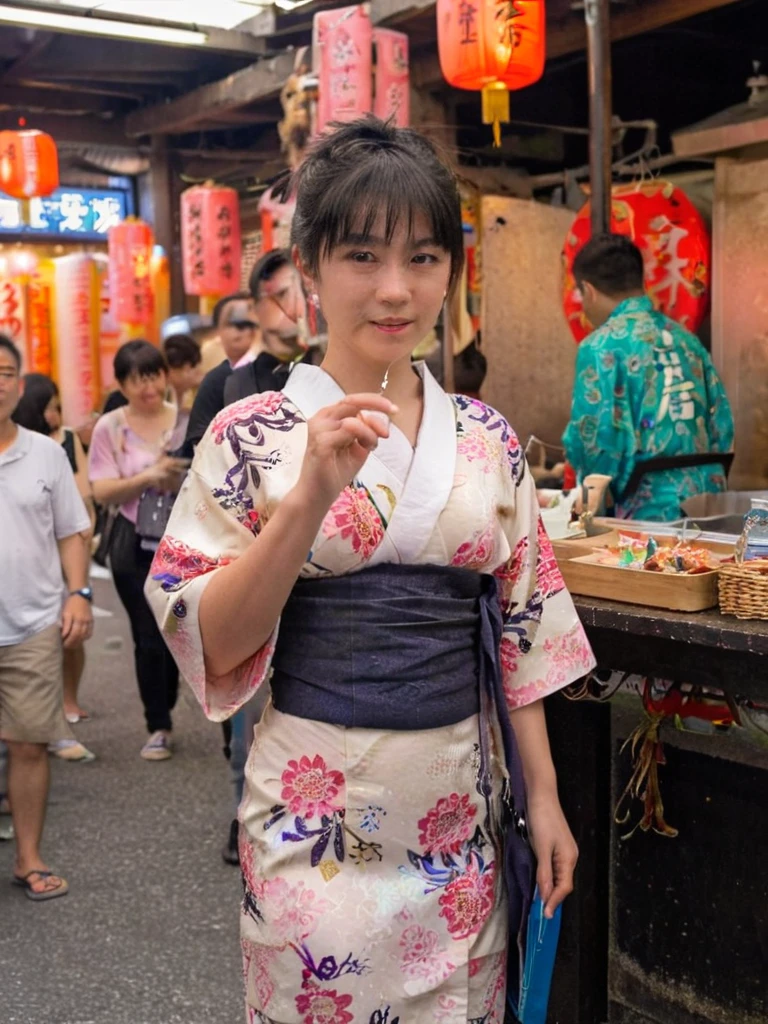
645, 389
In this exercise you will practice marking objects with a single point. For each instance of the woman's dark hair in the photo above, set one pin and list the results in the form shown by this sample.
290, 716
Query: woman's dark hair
611, 263
366, 167
181, 350
37, 395
138, 357
8, 345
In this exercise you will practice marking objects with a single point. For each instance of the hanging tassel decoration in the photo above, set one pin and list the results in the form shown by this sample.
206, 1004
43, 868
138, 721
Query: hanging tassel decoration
647, 753
496, 108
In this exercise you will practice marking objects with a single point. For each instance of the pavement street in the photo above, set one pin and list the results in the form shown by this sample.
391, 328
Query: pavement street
148, 932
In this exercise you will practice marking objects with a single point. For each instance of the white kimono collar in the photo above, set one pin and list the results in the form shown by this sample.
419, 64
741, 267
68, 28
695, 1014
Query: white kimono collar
428, 480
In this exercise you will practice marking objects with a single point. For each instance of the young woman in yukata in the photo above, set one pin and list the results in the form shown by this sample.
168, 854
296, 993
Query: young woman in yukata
346, 539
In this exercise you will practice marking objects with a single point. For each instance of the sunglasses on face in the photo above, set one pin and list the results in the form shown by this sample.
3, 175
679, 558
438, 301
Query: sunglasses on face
244, 325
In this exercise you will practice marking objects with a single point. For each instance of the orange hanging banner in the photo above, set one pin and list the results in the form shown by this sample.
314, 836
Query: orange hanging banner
40, 335
13, 315
130, 287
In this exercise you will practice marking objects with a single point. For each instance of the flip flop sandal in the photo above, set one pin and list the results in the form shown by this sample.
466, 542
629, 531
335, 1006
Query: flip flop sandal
47, 894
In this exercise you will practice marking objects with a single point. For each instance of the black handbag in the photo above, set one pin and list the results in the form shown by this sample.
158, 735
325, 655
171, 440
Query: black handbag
105, 525
153, 513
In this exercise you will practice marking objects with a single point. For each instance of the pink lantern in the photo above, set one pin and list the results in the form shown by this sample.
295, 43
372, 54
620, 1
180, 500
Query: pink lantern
342, 48
211, 247
392, 77
77, 314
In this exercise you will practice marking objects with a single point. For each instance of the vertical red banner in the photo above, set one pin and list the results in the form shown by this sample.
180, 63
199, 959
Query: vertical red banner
392, 79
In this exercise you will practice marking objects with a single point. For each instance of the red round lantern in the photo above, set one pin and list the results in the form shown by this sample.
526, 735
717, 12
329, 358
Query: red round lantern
211, 248
494, 46
29, 164
130, 285
670, 232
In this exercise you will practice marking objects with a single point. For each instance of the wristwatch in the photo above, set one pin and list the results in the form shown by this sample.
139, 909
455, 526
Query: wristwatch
85, 592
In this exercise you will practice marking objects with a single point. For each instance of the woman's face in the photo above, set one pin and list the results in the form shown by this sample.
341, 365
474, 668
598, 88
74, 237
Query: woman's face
381, 300
52, 414
145, 394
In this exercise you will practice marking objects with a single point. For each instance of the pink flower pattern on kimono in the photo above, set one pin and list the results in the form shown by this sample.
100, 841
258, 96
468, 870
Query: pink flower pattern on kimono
510, 656
477, 445
354, 517
175, 562
422, 958
477, 552
257, 965
311, 788
468, 901
292, 912
323, 1006
447, 825
567, 657
265, 404
548, 576
510, 573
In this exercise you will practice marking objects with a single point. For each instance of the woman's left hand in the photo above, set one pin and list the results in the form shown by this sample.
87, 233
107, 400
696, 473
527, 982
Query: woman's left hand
555, 850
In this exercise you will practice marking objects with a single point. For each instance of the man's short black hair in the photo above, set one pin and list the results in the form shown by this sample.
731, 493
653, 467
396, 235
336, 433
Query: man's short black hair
611, 263
220, 306
181, 350
8, 345
139, 357
265, 269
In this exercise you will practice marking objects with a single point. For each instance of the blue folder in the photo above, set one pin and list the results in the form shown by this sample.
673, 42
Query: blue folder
540, 951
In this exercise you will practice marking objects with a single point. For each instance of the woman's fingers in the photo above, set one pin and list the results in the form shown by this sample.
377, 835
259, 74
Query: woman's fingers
349, 431
563, 866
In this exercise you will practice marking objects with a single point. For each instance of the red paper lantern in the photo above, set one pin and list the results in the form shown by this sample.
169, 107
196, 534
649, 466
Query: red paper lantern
671, 233
211, 248
342, 48
493, 46
29, 164
130, 286
393, 80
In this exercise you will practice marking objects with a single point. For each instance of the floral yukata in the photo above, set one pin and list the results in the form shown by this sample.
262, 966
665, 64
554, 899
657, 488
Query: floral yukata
646, 387
372, 889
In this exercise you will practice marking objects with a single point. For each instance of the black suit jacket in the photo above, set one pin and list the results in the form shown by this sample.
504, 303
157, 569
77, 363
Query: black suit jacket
209, 401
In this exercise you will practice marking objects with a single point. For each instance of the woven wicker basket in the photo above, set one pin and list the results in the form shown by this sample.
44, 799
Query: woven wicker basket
744, 589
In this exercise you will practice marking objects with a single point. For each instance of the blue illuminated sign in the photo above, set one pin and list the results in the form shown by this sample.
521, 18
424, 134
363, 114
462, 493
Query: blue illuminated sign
69, 213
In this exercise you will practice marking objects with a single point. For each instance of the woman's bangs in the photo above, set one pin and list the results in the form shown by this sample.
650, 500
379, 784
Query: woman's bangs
396, 189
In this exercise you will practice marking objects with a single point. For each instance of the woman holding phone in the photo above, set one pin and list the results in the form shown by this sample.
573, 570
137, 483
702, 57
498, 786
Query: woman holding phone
129, 459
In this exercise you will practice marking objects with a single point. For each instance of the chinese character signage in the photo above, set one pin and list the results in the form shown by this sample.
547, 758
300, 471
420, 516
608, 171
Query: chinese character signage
13, 312
342, 48
672, 235
392, 79
130, 287
69, 213
211, 247
40, 344
77, 336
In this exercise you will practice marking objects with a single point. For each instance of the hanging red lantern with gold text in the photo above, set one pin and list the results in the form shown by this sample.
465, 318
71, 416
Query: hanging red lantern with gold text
130, 286
211, 247
493, 46
673, 238
29, 164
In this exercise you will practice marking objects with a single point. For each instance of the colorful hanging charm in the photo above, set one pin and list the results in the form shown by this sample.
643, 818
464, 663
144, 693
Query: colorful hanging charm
494, 46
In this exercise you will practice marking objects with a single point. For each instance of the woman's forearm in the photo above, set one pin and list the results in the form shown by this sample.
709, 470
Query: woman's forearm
530, 727
119, 491
242, 602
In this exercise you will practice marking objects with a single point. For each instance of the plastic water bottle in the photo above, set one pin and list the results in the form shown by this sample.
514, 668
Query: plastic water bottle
754, 539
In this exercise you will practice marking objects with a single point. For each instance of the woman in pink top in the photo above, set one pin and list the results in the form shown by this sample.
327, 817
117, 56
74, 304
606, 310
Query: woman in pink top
128, 454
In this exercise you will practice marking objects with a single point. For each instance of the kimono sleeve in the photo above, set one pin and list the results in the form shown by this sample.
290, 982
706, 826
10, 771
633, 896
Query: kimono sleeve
201, 538
600, 437
544, 646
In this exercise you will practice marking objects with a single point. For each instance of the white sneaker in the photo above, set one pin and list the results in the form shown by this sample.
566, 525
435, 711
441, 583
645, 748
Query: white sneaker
158, 747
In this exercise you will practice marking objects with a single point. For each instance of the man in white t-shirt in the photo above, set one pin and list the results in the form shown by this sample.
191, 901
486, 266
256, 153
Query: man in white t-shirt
42, 517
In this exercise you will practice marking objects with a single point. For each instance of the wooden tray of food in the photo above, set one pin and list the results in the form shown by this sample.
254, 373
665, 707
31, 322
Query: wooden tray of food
582, 563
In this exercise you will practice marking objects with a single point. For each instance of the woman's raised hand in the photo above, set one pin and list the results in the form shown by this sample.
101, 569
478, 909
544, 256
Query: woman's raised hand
340, 439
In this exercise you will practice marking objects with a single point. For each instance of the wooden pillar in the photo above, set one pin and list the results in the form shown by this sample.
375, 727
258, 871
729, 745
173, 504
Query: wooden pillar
597, 16
164, 191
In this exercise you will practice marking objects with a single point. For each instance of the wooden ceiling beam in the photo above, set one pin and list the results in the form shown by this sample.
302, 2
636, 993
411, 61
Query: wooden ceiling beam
88, 131
259, 81
22, 97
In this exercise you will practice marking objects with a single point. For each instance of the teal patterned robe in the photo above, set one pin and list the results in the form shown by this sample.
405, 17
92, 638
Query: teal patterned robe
646, 387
